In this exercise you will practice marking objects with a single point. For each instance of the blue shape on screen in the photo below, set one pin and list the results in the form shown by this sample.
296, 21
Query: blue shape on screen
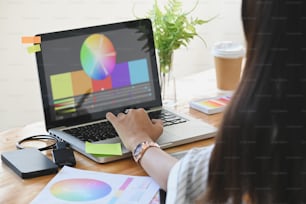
138, 71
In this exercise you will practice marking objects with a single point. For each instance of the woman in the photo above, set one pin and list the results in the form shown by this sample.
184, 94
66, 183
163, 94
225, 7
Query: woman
260, 150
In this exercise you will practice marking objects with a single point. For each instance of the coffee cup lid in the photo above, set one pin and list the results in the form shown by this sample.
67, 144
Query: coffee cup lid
228, 49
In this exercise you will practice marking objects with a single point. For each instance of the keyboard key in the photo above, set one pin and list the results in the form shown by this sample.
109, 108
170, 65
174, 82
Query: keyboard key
167, 117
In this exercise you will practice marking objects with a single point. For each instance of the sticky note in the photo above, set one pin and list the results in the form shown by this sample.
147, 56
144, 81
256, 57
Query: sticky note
34, 48
31, 39
103, 149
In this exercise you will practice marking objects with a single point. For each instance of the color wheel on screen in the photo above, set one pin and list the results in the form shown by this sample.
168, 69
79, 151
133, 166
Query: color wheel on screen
80, 189
98, 56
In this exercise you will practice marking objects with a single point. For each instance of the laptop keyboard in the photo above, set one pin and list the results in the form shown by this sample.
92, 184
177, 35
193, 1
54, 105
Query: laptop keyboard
94, 132
105, 130
167, 117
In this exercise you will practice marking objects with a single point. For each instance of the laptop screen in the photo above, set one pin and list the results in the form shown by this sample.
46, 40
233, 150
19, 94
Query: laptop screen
87, 72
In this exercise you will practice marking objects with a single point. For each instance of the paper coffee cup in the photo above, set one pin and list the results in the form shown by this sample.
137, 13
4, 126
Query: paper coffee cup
228, 59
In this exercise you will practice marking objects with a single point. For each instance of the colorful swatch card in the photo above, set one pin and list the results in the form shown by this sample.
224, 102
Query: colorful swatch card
211, 105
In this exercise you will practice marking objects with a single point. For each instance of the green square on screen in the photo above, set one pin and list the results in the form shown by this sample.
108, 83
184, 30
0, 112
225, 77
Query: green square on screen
61, 85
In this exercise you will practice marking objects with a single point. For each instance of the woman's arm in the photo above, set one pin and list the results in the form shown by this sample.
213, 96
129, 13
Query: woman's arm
158, 164
136, 127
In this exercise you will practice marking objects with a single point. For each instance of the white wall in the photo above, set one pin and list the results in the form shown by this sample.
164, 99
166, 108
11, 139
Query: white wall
20, 101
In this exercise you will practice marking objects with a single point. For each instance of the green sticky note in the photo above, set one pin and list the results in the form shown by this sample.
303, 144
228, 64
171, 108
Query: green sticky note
34, 48
103, 149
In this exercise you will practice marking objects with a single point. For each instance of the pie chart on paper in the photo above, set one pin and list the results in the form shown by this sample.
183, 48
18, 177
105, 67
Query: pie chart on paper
80, 190
98, 56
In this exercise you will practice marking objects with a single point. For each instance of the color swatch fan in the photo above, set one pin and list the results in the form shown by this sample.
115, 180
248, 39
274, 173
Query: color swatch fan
98, 56
211, 105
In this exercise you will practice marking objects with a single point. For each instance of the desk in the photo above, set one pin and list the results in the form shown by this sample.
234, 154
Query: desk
13, 189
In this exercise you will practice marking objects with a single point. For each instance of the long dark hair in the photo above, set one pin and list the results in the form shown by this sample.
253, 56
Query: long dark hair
260, 149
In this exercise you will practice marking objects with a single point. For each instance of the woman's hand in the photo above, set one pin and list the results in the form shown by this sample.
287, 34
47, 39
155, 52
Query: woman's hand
135, 127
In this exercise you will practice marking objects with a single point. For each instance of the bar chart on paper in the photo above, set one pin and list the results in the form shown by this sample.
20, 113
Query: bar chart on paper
74, 185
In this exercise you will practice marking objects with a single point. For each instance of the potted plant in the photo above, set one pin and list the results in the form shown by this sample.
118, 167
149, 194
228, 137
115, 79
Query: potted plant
173, 28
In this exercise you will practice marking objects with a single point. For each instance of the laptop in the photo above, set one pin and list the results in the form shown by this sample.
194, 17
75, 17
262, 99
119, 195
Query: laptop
85, 73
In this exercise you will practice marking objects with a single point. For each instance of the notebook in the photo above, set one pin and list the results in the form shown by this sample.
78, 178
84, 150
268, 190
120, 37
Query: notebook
85, 73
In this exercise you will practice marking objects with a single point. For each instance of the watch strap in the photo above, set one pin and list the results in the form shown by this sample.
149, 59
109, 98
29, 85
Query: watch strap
141, 148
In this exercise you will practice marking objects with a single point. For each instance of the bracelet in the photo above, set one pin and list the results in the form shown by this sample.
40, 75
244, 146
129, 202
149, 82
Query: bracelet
141, 148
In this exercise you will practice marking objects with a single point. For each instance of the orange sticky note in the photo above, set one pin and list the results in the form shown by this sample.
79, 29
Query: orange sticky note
31, 39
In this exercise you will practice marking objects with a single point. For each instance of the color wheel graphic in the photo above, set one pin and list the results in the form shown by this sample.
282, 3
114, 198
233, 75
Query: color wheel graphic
98, 56
80, 189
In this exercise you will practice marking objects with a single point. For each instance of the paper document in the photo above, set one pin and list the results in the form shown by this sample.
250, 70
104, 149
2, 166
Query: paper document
73, 185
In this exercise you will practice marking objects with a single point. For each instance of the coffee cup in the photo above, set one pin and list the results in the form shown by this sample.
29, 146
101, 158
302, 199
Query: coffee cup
228, 59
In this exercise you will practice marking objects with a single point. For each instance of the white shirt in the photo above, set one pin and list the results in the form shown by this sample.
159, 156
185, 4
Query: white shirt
188, 177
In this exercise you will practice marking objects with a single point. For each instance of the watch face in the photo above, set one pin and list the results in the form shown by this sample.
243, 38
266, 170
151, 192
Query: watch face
138, 149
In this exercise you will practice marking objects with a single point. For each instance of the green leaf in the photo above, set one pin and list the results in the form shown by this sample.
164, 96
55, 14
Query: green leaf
173, 28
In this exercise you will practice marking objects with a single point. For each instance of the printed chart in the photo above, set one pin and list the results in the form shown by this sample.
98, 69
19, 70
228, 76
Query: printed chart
98, 56
72, 185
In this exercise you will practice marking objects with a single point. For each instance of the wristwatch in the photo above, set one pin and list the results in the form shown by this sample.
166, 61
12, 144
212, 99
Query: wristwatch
141, 148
